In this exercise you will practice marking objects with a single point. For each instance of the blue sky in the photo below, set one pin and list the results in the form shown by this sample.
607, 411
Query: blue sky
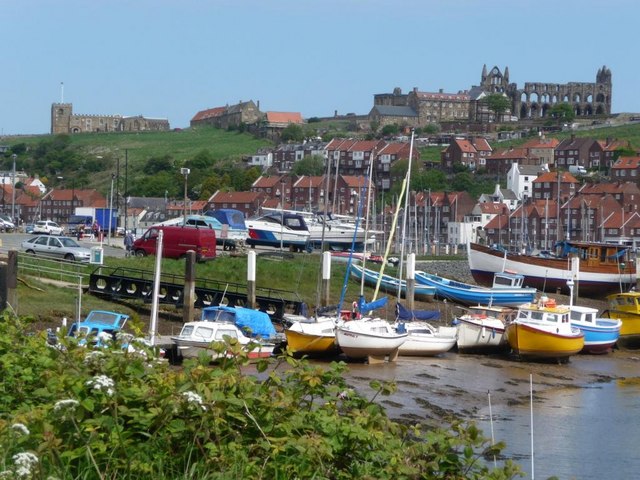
170, 59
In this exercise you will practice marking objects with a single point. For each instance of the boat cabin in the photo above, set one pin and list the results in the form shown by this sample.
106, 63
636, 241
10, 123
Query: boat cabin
625, 302
507, 280
544, 311
98, 328
584, 315
593, 254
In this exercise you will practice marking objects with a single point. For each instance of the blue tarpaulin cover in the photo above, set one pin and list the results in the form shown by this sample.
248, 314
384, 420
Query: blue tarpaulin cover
403, 313
253, 323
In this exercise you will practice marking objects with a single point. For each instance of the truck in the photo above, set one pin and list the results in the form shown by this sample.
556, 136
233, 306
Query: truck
84, 218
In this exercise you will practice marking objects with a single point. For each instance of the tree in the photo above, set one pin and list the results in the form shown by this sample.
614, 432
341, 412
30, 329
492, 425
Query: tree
311, 165
158, 164
498, 103
563, 112
391, 129
292, 133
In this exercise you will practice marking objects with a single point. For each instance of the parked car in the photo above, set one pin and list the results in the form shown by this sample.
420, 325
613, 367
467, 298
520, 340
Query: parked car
6, 225
60, 247
48, 227
28, 228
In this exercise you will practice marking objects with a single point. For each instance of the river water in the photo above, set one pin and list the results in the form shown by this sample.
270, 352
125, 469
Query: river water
585, 413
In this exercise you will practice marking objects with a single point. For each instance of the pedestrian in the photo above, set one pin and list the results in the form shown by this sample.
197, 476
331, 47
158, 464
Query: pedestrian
128, 243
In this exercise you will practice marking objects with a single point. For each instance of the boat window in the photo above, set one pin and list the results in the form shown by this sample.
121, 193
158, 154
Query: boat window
221, 333
187, 330
575, 315
537, 316
204, 333
589, 317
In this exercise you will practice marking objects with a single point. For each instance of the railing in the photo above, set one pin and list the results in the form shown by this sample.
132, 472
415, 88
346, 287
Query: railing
53, 268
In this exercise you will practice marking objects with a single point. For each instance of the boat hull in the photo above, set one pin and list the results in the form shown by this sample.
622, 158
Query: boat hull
358, 341
477, 334
528, 341
192, 348
437, 341
630, 329
472, 295
548, 274
302, 343
601, 337
389, 284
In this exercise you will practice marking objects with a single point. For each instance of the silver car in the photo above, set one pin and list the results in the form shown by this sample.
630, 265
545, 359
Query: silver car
59, 247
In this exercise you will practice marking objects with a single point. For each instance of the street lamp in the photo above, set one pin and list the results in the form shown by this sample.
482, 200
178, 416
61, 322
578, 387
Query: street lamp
185, 172
13, 189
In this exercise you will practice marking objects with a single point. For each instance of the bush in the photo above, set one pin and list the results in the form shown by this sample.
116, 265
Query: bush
77, 413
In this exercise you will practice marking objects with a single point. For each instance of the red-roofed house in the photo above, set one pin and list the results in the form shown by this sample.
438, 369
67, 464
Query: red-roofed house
243, 113
248, 203
626, 169
542, 148
275, 122
500, 161
547, 186
471, 153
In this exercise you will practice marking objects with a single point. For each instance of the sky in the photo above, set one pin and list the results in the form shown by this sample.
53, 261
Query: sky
171, 59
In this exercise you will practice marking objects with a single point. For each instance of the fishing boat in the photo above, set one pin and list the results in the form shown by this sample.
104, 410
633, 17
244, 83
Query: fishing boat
311, 336
626, 307
99, 328
206, 336
391, 284
370, 339
542, 330
603, 267
482, 328
507, 290
279, 230
600, 334
253, 323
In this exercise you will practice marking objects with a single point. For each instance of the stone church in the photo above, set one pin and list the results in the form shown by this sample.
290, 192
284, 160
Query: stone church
63, 120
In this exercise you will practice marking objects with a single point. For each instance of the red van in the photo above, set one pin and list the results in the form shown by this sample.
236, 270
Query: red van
176, 241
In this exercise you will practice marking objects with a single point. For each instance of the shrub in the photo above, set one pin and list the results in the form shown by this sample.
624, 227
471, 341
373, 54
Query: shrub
110, 413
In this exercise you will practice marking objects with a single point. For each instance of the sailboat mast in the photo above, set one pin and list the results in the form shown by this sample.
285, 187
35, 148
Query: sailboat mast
366, 221
404, 216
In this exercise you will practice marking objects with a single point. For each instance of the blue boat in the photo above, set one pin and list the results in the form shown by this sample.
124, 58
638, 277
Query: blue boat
389, 284
98, 328
507, 290
600, 334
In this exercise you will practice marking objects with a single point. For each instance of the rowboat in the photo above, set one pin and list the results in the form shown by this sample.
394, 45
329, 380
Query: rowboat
603, 268
391, 284
626, 307
482, 328
600, 334
542, 330
507, 291
371, 339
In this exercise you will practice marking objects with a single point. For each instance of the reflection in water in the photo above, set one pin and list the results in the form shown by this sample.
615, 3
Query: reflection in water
585, 421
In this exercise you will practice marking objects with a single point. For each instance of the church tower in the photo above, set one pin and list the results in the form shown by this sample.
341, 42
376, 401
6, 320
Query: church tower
61, 118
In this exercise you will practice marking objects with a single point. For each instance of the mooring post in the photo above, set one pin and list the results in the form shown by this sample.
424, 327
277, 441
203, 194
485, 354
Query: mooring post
12, 280
188, 305
326, 277
251, 279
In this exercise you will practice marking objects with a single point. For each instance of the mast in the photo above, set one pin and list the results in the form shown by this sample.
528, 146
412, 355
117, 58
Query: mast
404, 216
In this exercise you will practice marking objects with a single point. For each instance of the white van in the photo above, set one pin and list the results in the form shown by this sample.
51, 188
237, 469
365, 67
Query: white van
577, 170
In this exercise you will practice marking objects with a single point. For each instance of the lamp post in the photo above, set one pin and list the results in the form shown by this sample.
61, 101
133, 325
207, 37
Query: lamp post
185, 172
13, 189
113, 176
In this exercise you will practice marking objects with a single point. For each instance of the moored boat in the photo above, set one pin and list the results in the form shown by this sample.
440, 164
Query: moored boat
279, 230
600, 334
512, 294
392, 284
482, 328
603, 268
311, 336
542, 330
425, 339
372, 339
205, 336
626, 307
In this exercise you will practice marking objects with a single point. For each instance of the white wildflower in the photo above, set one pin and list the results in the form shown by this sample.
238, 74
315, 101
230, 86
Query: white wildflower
21, 428
65, 405
344, 394
194, 398
102, 383
24, 462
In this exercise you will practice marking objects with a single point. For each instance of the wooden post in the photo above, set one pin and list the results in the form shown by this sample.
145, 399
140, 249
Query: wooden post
188, 305
12, 280
251, 279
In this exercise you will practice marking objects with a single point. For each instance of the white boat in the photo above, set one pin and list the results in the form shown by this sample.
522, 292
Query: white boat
200, 336
372, 339
600, 334
482, 328
426, 340
228, 236
279, 229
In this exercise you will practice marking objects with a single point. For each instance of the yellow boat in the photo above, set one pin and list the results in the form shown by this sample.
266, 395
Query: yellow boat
543, 330
312, 337
626, 307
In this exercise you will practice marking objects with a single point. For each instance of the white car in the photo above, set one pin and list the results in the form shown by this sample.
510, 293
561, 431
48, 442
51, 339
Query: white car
48, 227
